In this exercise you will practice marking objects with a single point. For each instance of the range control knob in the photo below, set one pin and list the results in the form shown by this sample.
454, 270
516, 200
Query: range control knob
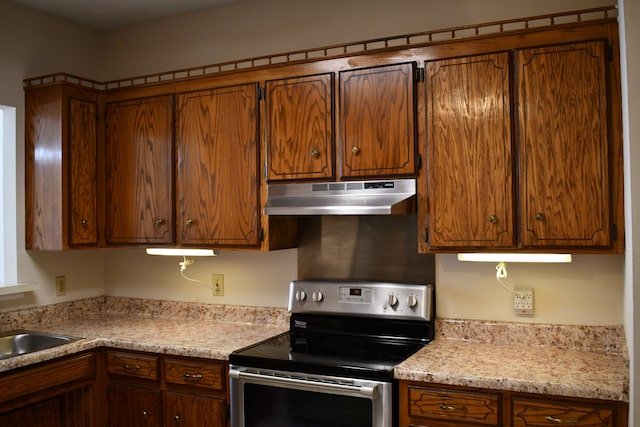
301, 295
393, 300
412, 301
317, 296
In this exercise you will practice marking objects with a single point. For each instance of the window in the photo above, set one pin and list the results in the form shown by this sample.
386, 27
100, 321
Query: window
8, 227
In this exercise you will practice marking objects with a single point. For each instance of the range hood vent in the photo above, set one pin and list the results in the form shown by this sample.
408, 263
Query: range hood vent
383, 197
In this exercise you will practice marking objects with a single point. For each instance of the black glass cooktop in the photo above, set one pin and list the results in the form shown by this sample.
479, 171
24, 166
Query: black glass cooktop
337, 353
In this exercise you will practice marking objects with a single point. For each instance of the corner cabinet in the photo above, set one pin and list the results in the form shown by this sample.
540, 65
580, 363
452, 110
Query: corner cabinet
139, 171
552, 184
218, 163
61, 189
377, 110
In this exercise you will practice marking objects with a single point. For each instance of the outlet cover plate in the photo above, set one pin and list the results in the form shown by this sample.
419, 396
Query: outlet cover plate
523, 301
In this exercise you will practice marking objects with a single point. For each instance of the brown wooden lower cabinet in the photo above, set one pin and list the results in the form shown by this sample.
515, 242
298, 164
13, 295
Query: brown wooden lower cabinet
434, 405
50, 394
149, 390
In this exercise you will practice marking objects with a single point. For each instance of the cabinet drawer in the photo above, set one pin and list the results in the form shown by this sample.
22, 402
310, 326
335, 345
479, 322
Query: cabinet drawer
453, 405
531, 412
196, 373
132, 364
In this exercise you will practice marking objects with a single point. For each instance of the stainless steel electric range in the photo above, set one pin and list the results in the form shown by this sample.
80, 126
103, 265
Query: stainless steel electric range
334, 367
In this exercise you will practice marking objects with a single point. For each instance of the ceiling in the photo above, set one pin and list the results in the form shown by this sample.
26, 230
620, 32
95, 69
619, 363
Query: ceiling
110, 14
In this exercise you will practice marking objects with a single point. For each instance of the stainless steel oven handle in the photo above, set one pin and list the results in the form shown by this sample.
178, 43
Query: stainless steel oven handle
304, 383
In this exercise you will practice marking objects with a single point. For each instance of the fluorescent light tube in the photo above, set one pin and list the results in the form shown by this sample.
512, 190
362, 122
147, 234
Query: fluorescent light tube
514, 257
184, 252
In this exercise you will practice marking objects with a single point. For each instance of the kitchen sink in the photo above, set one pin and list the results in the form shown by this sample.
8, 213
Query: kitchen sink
15, 343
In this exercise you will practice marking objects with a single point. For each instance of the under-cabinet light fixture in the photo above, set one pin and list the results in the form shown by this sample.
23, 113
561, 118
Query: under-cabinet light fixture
520, 257
183, 252
503, 258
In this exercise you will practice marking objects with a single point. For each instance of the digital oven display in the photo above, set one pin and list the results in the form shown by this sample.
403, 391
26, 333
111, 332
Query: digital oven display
349, 295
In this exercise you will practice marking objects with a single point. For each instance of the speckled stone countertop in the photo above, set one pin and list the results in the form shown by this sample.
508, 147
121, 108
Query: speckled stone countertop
577, 361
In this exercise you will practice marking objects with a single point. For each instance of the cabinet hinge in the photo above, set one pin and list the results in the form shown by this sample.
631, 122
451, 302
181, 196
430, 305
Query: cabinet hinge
261, 234
426, 235
264, 171
262, 93
419, 161
610, 53
419, 74
614, 232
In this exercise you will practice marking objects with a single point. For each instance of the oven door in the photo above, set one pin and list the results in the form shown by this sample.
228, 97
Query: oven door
267, 398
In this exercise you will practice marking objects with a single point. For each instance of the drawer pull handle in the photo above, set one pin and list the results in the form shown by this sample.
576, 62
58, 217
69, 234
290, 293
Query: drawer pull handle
192, 376
559, 421
131, 367
453, 408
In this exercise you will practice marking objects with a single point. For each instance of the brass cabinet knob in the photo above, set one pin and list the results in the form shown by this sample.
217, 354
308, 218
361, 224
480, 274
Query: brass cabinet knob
85, 223
493, 219
189, 221
539, 216
355, 150
144, 414
315, 153
159, 222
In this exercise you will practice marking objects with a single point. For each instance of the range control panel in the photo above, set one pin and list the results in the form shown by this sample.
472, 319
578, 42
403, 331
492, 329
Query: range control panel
374, 299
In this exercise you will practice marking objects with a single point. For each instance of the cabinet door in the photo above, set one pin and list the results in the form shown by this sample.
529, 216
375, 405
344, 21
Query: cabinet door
48, 413
218, 163
188, 410
300, 127
131, 406
469, 147
377, 121
563, 145
83, 215
139, 171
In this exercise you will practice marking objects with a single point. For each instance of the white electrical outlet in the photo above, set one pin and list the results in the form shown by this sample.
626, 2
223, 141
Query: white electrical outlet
217, 285
523, 301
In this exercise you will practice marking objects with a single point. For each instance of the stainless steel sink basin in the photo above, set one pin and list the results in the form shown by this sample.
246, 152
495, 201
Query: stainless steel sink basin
15, 343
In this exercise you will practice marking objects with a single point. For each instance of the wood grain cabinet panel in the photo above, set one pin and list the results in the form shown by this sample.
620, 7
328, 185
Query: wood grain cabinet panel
454, 406
299, 120
60, 167
132, 406
133, 364
377, 134
182, 409
531, 412
218, 164
470, 162
564, 145
139, 171
195, 373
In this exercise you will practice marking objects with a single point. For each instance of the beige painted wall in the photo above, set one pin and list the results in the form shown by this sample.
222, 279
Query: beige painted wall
589, 291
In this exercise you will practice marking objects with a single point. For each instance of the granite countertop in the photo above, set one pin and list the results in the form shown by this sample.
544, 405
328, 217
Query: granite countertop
589, 362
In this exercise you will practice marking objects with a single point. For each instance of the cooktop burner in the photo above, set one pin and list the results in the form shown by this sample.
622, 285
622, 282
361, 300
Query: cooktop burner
329, 355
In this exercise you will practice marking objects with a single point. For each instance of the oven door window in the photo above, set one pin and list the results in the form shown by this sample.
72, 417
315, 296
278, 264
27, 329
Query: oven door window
266, 406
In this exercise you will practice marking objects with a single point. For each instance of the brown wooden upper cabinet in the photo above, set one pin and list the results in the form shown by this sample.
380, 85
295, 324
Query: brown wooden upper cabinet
377, 110
60, 167
299, 120
218, 162
469, 153
139, 171
561, 142
563, 145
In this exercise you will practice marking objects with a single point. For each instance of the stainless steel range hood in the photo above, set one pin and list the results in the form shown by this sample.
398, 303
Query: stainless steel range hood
383, 197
